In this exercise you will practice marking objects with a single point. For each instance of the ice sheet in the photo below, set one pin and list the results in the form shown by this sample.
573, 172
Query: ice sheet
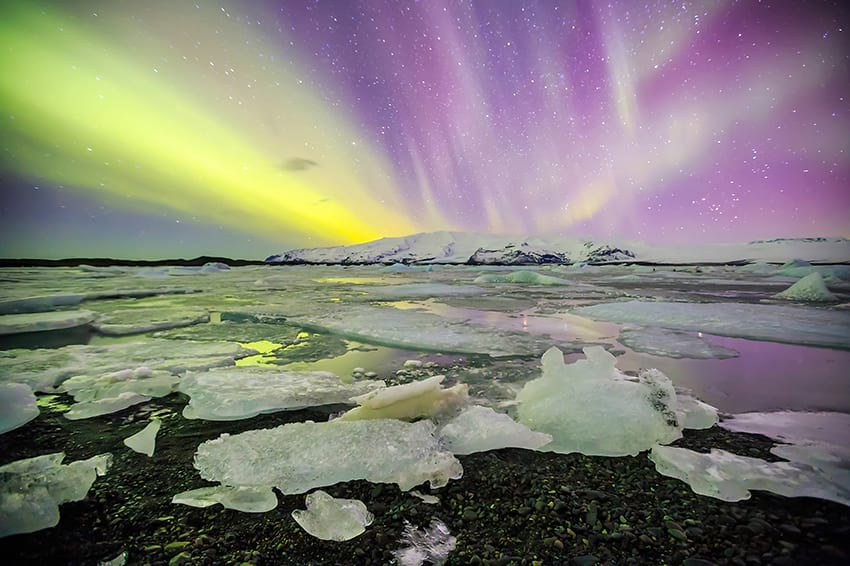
673, 344
777, 323
41, 321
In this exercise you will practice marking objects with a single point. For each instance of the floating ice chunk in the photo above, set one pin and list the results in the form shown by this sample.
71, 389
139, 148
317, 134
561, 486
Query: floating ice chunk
144, 441
590, 407
43, 369
298, 457
525, 277
329, 518
673, 344
41, 321
777, 323
478, 429
424, 398
137, 321
245, 499
411, 290
427, 499
431, 545
32, 489
794, 427
105, 406
415, 330
810, 288
245, 392
694, 414
730, 477
40, 303
17, 406
141, 380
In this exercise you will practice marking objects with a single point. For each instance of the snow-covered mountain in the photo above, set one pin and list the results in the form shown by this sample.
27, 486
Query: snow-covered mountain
489, 249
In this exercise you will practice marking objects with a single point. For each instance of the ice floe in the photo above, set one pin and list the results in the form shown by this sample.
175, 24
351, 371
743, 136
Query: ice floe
105, 405
330, 518
245, 499
421, 331
810, 288
426, 398
672, 344
298, 457
44, 369
592, 408
137, 321
32, 489
478, 429
777, 323
793, 427
144, 441
244, 392
521, 277
17, 406
730, 477
40, 303
41, 321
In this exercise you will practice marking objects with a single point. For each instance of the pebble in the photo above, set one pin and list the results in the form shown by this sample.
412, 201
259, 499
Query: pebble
182, 558
176, 545
790, 529
469, 514
412, 363
585, 560
697, 562
371, 374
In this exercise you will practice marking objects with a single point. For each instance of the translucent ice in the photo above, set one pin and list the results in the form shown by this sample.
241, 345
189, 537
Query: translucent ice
694, 414
424, 398
40, 303
244, 392
41, 321
421, 331
137, 321
810, 288
525, 277
673, 344
431, 545
794, 427
17, 406
245, 499
105, 406
43, 369
590, 407
298, 457
730, 477
478, 429
144, 441
329, 518
32, 489
777, 323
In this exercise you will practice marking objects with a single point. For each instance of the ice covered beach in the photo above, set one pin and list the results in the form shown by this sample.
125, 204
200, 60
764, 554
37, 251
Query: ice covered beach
470, 414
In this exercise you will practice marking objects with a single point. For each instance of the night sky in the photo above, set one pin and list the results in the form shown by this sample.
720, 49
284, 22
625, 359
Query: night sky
166, 129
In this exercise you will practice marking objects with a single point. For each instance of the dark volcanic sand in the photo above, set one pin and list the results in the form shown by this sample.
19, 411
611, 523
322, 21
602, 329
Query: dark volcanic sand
510, 507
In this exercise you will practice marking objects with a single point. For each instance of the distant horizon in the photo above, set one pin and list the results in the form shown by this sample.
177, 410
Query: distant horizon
187, 257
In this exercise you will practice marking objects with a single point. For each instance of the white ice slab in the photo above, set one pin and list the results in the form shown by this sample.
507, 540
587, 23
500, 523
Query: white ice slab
17, 406
298, 457
41, 321
776, 323
330, 518
521, 277
245, 499
426, 398
415, 330
590, 407
478, 429
730, 477
245, 392
673, 344
32, 489
43, 369
137, 321
794, 427
104, 406
144, 441
430, 545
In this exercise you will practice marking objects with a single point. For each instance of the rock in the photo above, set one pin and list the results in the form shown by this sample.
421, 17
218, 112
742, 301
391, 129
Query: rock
182, 558
469, 514
176, 546
697, 562
585, 560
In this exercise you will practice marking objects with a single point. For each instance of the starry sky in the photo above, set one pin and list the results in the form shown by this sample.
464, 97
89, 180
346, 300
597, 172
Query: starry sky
173, 129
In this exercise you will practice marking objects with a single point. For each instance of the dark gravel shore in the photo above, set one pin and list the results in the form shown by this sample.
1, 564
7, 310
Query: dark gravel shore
510, 507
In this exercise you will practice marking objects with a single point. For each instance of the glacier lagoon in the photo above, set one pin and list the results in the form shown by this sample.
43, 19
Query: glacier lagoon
121, 345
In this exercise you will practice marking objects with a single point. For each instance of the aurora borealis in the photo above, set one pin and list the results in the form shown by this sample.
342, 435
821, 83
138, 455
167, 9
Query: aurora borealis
163, 129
